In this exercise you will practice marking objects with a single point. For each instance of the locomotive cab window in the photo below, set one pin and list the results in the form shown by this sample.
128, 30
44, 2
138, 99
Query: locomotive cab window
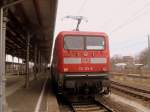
83, 43
95, 43
74, 43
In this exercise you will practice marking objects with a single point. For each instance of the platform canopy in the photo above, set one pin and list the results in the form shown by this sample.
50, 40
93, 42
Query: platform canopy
34, 18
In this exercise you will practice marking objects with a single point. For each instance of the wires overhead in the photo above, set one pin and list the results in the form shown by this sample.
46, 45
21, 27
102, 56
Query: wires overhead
129, 45
139, 13
82, 7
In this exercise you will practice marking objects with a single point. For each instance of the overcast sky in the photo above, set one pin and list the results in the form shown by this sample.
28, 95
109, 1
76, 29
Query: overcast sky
125, 21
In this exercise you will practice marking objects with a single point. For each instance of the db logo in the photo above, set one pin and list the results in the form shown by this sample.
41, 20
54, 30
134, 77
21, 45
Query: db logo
85, 54
85, 60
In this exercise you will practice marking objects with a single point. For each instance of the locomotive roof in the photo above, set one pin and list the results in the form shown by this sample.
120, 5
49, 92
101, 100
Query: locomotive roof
82, 33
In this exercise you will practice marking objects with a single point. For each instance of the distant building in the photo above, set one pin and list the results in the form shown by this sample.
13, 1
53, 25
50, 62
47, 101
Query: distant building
128, 59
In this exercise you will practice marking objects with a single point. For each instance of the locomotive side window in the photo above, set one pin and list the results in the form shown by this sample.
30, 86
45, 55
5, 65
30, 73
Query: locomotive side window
95, 43
73, 43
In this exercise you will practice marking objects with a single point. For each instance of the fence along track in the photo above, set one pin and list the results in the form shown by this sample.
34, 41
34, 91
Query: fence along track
131, 90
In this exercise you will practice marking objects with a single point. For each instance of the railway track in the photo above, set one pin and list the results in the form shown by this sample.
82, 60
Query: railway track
145, 94
90, 106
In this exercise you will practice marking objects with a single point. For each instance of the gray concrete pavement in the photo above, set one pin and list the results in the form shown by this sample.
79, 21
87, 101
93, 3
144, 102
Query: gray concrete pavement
27, 100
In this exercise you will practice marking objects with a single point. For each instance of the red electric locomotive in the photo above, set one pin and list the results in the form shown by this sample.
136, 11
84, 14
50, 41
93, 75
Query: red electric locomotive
81, 63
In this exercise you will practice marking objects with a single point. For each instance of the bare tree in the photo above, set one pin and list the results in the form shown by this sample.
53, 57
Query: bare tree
143, 57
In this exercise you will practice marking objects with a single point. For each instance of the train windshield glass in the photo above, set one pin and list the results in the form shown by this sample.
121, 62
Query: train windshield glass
83, 43
74, 43
95, 43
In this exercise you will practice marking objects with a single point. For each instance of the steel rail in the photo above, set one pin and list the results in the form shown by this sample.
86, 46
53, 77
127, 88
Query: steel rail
131, 90
131, 87
91, 106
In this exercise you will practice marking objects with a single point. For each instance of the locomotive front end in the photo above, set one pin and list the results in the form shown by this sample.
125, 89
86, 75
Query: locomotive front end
84, 64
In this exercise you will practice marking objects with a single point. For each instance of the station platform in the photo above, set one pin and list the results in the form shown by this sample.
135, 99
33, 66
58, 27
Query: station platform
39, 97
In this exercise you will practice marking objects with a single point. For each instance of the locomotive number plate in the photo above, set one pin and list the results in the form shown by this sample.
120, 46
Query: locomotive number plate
85, 60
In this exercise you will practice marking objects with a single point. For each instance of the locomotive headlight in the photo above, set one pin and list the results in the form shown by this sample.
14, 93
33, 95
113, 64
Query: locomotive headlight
66, 69
101, 60
104, 69
68, 60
